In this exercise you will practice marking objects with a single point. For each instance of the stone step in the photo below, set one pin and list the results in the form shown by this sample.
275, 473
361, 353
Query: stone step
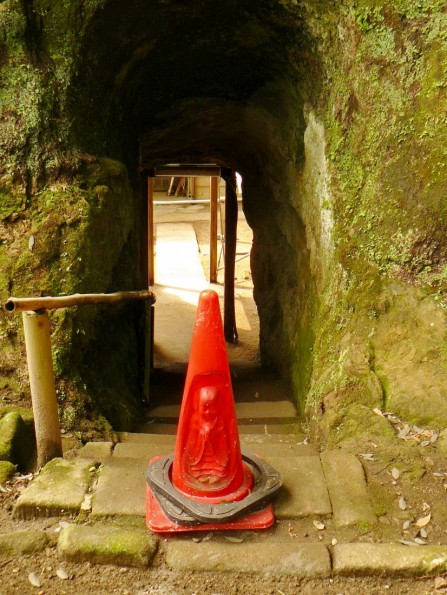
333, 487
245, 426
257, 409
58, 490
390, 559
295, 559
252, 438
140, 450
121, 489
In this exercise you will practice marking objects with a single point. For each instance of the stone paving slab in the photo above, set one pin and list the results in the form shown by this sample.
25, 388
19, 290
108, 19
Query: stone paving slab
388, 559
96, 451
21, 543
268, 451
121, 488
304, 491
297, 559
347, 489
271, 438
59, 489
101, 544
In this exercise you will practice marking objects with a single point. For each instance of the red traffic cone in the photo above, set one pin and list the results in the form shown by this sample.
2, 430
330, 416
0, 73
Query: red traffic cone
207, 485
207, 457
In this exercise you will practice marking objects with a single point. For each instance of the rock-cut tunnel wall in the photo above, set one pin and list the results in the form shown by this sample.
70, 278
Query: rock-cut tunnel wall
333, 114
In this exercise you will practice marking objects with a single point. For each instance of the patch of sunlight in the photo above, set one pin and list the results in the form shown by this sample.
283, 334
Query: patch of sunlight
188, 296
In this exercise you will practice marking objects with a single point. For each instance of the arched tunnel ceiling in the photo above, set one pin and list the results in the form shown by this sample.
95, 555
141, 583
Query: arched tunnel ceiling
194, 80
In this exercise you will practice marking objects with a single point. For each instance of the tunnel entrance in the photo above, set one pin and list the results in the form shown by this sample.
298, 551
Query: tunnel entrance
194, 243
175, 89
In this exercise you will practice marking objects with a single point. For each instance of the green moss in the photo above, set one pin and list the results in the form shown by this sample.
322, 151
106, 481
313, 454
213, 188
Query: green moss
101, 544
7, 470
17, 441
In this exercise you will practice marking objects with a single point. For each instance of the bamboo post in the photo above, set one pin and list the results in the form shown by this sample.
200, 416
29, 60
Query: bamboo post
43, 392
214, 187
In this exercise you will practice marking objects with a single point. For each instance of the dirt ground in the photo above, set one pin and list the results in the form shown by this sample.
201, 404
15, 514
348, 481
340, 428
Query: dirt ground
159, 580
86, 578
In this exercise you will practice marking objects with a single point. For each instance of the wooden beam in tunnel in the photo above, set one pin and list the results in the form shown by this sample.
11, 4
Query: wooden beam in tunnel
187, 170
214, 189
231, 215
151, 232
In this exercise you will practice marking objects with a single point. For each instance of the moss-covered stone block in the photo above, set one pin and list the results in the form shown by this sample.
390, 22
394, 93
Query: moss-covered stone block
59, 489
21, 543
16, 445
101, 544
7, 470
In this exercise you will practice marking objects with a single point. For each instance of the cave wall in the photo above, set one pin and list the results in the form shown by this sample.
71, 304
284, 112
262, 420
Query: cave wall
334, 113
380, 339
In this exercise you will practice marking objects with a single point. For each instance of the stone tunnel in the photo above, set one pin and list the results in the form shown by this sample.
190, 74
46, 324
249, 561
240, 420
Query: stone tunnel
333, 115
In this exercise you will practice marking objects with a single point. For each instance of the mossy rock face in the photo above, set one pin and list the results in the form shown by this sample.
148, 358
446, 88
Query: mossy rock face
80, 237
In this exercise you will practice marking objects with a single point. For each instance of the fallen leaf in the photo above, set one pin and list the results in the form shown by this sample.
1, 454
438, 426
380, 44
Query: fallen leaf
426, 443
402, 503
404, 431
423, 533
405, 525
334, 541
406, 542
420, 541
377, 411
34, 579
367, 456
395, 473
62, 574
233, 539
208, 536
423, 521
319, 525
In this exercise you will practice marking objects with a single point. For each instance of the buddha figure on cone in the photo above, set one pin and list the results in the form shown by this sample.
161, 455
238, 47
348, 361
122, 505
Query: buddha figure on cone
206, 453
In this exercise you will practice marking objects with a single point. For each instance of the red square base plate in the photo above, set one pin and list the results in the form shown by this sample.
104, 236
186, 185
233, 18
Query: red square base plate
158, 522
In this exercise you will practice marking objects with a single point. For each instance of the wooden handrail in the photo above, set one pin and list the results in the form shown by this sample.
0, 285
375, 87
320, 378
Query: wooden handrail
64, 301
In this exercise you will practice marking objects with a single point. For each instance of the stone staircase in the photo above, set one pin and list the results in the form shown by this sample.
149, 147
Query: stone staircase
325, 520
